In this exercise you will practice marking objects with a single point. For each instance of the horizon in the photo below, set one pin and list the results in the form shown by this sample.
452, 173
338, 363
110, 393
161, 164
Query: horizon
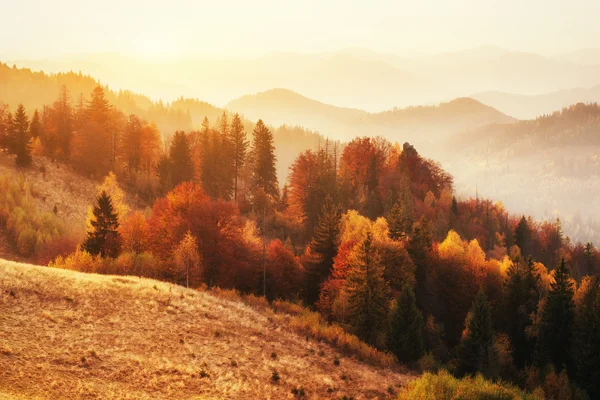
185, 28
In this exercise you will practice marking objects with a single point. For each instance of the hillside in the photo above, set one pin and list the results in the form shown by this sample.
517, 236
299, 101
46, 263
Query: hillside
546, 167
67, 334
421, 124
349, 78
531, 106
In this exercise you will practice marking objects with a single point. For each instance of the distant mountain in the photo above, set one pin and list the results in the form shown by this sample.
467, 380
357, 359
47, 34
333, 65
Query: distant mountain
422, 125
527, 107
582, 57
352, 77
546, 167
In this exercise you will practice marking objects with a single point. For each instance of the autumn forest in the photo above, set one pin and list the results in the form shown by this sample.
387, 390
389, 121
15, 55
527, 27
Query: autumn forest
432, 235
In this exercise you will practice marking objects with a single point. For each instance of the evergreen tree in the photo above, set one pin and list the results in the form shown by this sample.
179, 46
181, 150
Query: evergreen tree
419, 247
522, 291
7, 134
322, 248
224, 160
586, 341
476, 352
104, 237
523, 236
207, 163
588, 253
368, 292
63, 120
132, 143
406, 337
239, 145
556, 325
19, 137
397, 222
263, 152
35, 127
180, 159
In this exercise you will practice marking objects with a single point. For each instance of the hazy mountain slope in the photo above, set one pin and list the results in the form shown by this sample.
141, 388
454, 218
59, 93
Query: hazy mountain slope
582, 57
422, 125
531, 106
355, 78
66, 334
546, 167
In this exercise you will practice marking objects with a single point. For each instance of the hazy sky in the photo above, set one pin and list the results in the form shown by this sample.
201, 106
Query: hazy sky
230, 27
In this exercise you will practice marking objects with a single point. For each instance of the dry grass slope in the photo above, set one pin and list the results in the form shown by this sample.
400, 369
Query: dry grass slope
66, 334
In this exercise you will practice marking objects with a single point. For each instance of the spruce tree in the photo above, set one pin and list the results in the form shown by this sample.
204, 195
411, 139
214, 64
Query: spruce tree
586, 341
322, 249
556, 325
20, 138
225, 163
521, 295
63, 119
368, 292
419, 247
239, 146
104, 237
263, 154
522, 236
180, 157
399, 221
35, 127
406, 336
476, 352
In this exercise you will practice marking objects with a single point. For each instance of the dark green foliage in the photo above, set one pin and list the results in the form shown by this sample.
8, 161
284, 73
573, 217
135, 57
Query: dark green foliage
476, 351
19, 137
521, 295
104, 237
35, 127
419, 248
557, 319
263, 155
322, 249
132, 143
523, 236
406, 336
368, 293
586, 341
180, 159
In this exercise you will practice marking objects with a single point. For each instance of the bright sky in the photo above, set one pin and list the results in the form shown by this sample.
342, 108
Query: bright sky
185, 28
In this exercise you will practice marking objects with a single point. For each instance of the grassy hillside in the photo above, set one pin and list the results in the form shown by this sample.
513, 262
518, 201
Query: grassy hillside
66, 334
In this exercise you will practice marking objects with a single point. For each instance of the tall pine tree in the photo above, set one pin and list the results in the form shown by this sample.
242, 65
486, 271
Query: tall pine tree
104, 237
239, 145
586, 341
35, 127
476, 351
20, 138
407, 329
180, 158
263, 155
368, 292
322, 249
556, 325
521, 295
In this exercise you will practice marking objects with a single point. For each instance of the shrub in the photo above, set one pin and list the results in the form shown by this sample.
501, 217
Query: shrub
30, 229
443, 386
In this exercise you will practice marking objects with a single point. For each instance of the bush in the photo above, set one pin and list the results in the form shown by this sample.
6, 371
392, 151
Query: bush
443, 386
29, 229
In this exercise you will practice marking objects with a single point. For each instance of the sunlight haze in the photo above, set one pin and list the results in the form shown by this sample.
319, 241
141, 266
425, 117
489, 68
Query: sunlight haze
199, 28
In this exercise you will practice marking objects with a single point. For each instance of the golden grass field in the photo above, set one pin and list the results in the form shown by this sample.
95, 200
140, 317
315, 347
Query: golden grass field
66, 334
